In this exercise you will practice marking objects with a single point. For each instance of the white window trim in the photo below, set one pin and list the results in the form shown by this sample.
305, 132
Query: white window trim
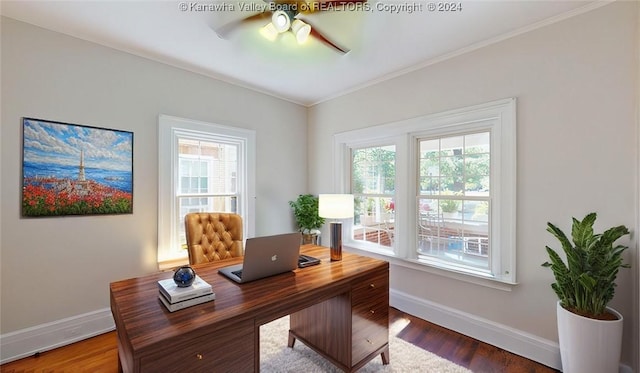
169, 128
501, 115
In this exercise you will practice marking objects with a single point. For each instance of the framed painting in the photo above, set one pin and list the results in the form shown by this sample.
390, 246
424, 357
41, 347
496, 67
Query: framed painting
71, 169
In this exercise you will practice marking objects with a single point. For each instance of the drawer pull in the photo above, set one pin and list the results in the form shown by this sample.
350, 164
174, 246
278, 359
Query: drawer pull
372, 311
372, 286
369, 341
199, 356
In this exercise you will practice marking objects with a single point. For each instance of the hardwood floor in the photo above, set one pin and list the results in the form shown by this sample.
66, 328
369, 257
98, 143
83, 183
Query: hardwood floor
462, 350
97, 354
100, 354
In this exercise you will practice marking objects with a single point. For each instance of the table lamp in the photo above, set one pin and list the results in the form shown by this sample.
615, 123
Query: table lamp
335, 206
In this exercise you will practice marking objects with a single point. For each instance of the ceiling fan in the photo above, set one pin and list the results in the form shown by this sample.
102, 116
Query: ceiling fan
288, 15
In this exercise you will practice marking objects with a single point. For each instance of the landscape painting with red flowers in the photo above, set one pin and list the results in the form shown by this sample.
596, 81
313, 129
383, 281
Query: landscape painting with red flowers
70, 169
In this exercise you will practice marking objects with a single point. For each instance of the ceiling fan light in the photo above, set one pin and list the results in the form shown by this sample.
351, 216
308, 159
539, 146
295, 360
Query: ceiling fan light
301, 30
281, 20
269, 31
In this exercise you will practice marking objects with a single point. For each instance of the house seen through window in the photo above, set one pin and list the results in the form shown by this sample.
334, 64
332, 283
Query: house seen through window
207, 179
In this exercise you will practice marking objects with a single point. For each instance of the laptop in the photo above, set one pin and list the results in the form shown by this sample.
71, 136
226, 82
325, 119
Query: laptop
266, 256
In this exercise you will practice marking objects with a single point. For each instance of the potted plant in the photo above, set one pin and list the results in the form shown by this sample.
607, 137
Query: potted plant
589, 332
449, 207
305, 211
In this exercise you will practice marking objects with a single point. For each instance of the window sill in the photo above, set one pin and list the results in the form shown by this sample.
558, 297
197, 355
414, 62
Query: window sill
472, 278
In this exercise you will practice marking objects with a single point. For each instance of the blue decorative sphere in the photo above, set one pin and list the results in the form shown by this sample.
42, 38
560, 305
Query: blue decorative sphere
184, 276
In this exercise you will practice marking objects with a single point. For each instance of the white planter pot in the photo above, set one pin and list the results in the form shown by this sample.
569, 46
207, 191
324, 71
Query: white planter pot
589, 345
367, 220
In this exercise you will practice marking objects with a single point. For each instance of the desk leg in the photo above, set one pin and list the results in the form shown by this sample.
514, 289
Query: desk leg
292, 340
256, 349
385, 356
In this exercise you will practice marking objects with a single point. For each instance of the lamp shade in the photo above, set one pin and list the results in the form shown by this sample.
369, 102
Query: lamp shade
335, 206
281, 20
301, 30
269, 31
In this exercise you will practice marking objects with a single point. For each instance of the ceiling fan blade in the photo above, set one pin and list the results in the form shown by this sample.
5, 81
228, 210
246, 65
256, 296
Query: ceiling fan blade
224, 30
315, 33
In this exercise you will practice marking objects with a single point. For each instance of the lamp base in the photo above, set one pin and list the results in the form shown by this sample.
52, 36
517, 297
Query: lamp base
335, 229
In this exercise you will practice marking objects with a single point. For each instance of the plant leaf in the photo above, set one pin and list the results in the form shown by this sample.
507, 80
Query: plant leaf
586, 283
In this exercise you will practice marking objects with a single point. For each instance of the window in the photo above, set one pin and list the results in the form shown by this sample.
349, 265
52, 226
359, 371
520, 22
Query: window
202, 167
373, 187
453, 204
206, 177
437, 191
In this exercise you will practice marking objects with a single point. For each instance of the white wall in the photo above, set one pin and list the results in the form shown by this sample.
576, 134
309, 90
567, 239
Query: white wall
575, 82
55, 268
576, 85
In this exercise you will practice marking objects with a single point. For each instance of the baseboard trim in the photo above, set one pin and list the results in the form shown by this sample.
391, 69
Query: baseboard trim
26, 342
513, 340
516, 341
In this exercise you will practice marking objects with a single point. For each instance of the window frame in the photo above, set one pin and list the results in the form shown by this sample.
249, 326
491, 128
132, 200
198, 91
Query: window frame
497, 116
170, 129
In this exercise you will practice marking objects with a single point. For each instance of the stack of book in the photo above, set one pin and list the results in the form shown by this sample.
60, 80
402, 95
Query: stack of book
176, 298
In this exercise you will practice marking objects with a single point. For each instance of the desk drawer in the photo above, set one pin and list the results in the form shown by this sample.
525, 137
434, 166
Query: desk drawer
370, 329
374, 289
222, 351
367, 341
370, 316
370, 321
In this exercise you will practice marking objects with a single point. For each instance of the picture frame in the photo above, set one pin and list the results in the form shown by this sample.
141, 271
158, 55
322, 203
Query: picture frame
73, 169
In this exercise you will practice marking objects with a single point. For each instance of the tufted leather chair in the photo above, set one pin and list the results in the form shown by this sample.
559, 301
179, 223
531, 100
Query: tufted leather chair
213, 236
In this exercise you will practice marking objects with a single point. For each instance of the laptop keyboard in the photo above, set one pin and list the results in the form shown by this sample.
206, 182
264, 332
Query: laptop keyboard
238, 273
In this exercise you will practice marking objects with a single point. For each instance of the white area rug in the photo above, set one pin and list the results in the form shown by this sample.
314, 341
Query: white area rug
276, 357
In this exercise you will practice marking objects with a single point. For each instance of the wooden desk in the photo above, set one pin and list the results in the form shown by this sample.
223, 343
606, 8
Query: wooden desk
339, 309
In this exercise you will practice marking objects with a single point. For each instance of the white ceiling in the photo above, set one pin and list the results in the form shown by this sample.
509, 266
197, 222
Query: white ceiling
383, 43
